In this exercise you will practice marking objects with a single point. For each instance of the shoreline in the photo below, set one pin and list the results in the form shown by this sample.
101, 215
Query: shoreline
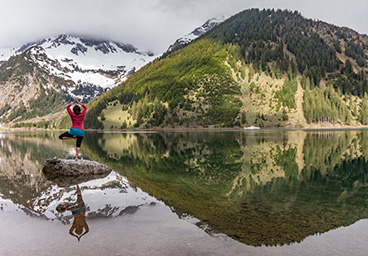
257, 129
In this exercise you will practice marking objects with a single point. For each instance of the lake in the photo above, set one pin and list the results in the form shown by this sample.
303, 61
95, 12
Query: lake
223, 192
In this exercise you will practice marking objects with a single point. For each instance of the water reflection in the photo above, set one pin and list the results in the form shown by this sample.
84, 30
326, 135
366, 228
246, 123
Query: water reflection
78, 209
260, 188
263, 188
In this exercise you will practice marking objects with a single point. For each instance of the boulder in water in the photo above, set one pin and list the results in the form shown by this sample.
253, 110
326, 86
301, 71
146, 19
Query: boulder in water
68, 167
67, 181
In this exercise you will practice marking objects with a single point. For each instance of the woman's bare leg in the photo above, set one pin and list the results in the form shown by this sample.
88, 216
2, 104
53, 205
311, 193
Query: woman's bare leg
68, 138
77, 150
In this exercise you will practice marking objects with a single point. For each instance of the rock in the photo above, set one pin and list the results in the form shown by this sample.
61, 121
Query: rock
67, 181
62, 207
68, 167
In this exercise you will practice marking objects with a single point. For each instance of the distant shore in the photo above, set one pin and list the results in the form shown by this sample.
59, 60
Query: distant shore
309, 127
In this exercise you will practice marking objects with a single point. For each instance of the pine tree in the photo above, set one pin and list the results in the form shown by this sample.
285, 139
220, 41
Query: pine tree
364, 110
348, 67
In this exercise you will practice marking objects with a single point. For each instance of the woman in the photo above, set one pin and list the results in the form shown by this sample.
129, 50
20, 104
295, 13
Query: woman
77, 130
79, 213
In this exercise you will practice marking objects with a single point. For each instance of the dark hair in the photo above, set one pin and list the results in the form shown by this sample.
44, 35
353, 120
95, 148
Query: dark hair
76, 110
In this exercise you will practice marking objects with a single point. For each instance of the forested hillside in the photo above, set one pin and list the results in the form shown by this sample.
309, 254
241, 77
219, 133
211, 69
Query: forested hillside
268, 68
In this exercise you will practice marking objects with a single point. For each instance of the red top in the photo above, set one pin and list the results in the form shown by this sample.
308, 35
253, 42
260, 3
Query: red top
77, 120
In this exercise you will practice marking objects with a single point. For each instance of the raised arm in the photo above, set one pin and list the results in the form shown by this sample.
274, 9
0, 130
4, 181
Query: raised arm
76, 101
84, 107
86, 230
68, 107
71, 230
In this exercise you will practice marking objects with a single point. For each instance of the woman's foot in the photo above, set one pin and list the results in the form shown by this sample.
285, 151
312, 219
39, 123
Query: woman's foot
77, 150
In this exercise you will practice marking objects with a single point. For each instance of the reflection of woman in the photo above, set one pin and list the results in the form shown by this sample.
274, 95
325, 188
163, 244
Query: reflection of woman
77, 130
79, 214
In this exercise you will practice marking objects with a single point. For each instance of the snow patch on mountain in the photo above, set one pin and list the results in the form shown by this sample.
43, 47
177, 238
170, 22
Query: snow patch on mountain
6, 53
199, 31
71, 70
87, 54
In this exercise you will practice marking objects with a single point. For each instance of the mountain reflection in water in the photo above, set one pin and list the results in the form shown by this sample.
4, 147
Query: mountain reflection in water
24, 188
260, 188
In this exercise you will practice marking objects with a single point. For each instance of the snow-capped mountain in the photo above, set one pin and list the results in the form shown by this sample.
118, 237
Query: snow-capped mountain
199, 31
86, 61
55, 70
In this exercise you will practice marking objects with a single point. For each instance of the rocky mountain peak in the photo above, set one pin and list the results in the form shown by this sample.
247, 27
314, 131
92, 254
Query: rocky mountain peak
197, 32
61, 68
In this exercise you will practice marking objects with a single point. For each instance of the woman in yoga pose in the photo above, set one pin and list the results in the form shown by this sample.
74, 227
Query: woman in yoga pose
76, 132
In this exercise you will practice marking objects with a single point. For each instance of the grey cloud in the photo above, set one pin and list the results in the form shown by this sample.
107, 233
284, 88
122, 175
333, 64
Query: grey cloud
149, 24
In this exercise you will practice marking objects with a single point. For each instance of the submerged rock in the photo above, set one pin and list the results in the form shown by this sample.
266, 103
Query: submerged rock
68, 167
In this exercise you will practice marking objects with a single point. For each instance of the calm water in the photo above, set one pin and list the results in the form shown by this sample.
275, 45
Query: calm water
189, 193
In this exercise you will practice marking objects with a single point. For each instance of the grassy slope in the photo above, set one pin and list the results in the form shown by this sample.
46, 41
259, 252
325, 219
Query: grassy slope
193, 84
116, 117
255, 90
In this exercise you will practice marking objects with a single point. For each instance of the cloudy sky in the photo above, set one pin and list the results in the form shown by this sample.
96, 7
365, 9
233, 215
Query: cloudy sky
150, 24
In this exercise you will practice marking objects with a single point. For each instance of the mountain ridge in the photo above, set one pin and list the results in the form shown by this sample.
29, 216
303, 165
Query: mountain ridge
197, 32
